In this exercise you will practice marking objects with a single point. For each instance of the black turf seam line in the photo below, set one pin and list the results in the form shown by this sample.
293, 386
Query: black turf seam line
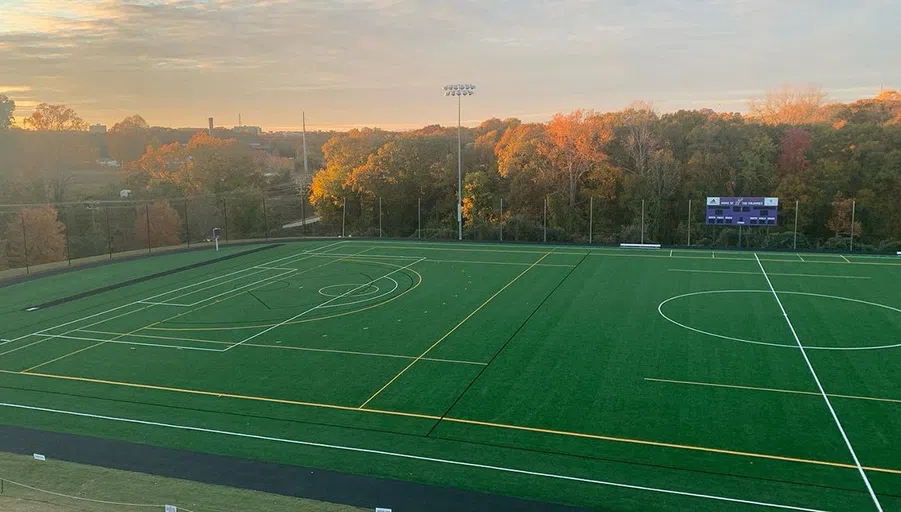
129, 282
507, 342
444, 438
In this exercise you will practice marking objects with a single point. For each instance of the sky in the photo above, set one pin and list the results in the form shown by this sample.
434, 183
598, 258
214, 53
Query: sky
384, 63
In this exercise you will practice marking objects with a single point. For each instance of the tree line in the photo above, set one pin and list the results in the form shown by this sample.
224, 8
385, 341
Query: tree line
607, 176
617, 173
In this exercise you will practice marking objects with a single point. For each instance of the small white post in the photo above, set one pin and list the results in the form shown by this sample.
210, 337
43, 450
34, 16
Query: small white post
380, 217
419, 217
343, 216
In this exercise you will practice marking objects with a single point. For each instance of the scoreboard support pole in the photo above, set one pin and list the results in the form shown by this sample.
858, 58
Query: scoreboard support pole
739, 236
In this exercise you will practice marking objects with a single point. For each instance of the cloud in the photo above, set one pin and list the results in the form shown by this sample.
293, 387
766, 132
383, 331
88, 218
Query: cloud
180, 61
8, 89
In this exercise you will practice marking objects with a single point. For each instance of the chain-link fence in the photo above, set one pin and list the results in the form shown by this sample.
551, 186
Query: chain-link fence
33, 235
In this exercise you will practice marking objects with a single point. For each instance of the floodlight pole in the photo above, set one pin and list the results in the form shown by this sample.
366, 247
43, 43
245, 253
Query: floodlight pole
418, 217
459, 90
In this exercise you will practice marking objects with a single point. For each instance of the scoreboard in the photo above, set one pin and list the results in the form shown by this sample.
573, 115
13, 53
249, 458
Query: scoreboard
742, 211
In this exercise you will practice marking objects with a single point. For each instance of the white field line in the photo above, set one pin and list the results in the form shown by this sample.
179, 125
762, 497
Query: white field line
166, 293
448, 333
277, 268
474, 262
799, 257
164, 304
120, 342
233, 290
844, 258
670, 253
290, 347
816, 379
772, 390
411, 457
699, 271
295, 317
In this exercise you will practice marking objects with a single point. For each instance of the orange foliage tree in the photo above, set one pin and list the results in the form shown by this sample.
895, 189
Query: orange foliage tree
840, 222
165, 225
44, 240
575, 144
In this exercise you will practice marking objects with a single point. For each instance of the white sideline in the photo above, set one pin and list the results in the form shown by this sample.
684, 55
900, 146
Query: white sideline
816, 379
412, 457
336, 297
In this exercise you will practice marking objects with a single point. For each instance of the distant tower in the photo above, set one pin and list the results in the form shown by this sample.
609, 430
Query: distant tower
239, 120
211, 126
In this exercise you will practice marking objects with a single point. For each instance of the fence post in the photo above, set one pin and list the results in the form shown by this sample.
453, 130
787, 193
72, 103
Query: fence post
689, 223
68, 247
545, 219
265, 217
380, 217
303, 213
343, 216
147, 214
187, 224
590, 218
642, 221
109, 233
502, 220
418, 217
795, 241
24, 242
225, 210
739, 236
853, 212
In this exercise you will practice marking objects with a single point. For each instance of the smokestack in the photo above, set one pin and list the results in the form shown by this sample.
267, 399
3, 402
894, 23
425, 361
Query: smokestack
211, 126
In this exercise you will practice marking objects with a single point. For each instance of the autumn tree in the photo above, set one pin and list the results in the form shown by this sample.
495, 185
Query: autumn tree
840, 222
789, 105
795, 145
165, 225
574, 144
128, 139
526, 170
57, 147
44, 240
7, 107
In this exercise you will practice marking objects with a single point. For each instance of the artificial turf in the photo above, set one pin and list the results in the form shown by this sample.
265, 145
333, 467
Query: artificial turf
497, 362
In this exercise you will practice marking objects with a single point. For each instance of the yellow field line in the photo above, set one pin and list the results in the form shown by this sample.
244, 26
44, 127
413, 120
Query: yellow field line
448, 333
461, 421
772, 390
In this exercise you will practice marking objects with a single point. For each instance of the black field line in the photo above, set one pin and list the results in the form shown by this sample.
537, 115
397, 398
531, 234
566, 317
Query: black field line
816, 379
507, 342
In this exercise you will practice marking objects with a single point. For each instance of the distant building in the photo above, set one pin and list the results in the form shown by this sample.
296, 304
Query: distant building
107, 162
97, 128
248, 130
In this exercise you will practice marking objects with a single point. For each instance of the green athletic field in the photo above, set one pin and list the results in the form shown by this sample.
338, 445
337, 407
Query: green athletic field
600, 377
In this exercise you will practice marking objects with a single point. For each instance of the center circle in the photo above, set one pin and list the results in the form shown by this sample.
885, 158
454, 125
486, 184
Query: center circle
660, 309
349, 290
